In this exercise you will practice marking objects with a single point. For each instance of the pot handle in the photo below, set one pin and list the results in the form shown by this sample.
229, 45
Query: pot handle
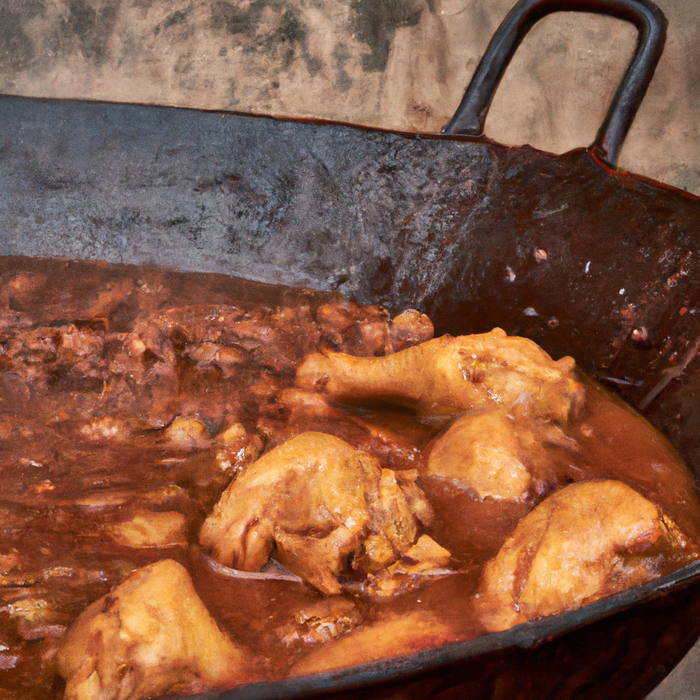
651, 23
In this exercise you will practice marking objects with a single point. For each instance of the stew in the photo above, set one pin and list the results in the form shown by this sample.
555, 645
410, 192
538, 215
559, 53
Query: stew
207, 481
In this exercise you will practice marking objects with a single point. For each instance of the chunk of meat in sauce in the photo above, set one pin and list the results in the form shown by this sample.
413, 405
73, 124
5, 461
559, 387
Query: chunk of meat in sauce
237, 448
226, 336
150, 635
426, 558
320, 622
407, 329
396, 635
367, 331
453, 375
583, 543
495, 454
316, 499
187, 433
150, 529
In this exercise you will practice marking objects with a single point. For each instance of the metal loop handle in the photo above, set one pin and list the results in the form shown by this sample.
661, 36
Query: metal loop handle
650, 22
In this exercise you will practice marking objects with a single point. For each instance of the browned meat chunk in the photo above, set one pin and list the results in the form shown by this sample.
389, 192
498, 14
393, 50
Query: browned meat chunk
366, 331
237, 448
187, 433
496, 454
321, 622
395, 636
453, 375
585, 542
409, 328
483, 452
426, 558
150, 529
150, 635
318, 500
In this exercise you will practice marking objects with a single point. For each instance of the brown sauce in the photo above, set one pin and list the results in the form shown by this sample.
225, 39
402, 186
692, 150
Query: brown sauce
64, 328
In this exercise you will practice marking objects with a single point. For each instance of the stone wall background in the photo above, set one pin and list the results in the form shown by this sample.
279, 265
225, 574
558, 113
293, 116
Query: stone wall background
397, 64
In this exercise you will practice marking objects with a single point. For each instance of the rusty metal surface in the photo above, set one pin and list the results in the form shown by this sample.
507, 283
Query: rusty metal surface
400, 64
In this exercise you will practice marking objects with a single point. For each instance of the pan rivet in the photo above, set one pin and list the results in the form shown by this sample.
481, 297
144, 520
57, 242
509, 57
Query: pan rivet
540, 254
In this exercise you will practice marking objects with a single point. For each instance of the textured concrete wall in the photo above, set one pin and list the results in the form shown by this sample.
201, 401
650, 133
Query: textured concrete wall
400, 64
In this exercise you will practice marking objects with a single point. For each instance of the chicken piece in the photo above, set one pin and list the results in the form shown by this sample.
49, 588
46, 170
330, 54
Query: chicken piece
583, 543
362, 330
150, 635
317, 499
237, 448
483, 452
150, 529
496, 455
226, 357
452, 375
397, 635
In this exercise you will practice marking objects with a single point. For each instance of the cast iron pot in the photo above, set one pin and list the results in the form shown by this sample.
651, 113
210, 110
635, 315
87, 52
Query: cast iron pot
582, 258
